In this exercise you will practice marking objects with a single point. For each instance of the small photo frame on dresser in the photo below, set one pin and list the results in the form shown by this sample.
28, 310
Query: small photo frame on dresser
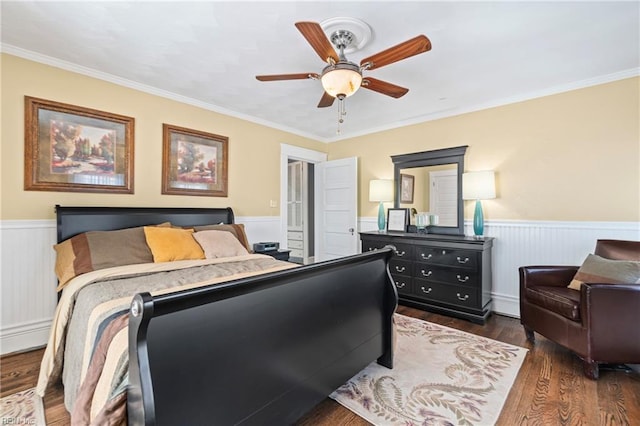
397, 220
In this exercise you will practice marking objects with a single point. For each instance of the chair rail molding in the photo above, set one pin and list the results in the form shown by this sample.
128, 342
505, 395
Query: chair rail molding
28, 282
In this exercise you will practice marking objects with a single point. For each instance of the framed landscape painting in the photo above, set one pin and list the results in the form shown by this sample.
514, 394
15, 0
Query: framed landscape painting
194, 162
76, 149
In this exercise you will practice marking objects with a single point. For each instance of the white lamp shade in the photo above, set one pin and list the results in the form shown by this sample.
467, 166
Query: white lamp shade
381, 190
341, 82
479, 185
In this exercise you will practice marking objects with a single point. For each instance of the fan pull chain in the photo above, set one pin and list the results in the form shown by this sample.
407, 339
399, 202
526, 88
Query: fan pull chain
341, 113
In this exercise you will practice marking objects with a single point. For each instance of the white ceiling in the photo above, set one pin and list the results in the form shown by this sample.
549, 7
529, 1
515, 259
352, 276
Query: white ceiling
208, 53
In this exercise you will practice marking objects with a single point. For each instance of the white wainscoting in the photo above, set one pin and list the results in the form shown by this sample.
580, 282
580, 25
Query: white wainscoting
27, 290
28, 286
520, 243
28, 283
261, 228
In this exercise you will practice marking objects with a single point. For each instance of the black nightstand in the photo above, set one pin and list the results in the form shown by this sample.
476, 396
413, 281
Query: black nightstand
278, 254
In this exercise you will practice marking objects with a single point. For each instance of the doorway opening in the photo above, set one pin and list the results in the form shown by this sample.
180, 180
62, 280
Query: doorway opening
297, 207
300, 211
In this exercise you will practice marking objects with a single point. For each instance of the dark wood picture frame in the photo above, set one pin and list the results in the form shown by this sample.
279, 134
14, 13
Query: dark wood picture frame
76, 149
194, 162
407, 185
397, 219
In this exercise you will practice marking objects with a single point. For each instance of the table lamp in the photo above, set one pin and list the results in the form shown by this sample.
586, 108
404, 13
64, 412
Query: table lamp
478, 186
381, 190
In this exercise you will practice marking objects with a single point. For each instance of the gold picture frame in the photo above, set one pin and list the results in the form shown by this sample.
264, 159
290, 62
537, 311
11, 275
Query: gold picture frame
76, 149
194, 162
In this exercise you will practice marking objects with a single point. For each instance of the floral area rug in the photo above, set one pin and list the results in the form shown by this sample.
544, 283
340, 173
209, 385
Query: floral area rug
441, 376
22, 408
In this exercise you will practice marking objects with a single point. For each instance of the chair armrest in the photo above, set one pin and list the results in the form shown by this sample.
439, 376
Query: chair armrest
555, 276
612, 313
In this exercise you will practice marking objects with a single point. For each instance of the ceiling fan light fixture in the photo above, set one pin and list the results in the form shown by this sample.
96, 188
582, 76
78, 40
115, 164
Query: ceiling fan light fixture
343, 78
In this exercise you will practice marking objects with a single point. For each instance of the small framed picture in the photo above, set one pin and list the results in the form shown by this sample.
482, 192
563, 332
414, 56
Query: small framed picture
194, 162
397, 219
406, 188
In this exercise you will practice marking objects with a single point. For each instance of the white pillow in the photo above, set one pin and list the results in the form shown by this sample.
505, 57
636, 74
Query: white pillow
219, 244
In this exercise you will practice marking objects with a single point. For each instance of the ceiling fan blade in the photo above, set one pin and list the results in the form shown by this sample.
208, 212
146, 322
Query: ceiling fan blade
384, 87
414, 46
314, 34
299, 76
326, 100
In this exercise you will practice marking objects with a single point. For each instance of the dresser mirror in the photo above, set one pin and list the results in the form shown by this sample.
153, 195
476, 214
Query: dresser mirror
430, 182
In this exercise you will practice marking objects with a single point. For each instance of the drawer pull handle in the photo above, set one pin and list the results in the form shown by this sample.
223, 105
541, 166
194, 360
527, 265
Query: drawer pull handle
426, 290
400, 285
399, 269
400, 253
466, 296
463, 280
465, 260
426, 257
426, 274
444, 252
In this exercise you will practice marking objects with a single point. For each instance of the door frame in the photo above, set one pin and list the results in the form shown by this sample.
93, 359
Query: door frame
288, 152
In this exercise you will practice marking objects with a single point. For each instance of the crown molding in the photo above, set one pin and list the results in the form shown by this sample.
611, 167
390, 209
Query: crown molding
90, 72
449, 112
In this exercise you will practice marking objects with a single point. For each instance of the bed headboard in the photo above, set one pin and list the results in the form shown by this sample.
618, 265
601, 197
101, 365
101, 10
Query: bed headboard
76, 220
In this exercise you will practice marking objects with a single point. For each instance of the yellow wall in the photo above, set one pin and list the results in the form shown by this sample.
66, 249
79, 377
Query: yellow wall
573, 156
254, 150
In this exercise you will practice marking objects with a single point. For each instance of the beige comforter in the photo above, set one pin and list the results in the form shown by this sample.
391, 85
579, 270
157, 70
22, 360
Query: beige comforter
90, 301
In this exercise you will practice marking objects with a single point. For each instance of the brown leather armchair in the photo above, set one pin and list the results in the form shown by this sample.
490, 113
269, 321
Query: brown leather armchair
600, 323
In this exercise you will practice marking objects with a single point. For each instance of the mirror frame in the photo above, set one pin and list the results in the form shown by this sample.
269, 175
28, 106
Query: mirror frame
434, 157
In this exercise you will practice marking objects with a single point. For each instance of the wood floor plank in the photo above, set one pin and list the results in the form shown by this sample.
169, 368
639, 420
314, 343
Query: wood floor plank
550, 388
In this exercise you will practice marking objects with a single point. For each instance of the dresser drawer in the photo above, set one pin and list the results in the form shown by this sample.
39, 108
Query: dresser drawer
294, 235
403, 251
403, 283
449, 257
398, 266
371, 245
295, 244
296, 253
447, 293
457, 276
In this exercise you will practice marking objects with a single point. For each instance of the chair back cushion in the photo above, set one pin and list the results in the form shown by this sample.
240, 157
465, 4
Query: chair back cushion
618, 249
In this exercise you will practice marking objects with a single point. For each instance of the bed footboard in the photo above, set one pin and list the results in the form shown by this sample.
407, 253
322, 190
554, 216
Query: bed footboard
262, 350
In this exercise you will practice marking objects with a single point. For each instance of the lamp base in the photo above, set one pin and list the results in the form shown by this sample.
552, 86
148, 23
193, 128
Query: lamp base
381, 218
478, 220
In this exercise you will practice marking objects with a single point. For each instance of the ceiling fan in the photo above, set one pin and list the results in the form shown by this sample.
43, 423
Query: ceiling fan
341, 78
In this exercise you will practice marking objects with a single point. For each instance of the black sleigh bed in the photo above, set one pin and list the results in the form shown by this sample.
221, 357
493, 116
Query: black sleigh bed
260, 349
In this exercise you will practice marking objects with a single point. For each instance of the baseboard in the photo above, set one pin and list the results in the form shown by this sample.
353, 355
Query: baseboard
26, 336
505, 304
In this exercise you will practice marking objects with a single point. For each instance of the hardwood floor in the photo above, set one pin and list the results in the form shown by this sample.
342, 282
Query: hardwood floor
550, 388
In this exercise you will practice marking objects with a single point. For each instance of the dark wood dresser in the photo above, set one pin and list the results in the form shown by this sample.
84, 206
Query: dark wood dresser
441, 273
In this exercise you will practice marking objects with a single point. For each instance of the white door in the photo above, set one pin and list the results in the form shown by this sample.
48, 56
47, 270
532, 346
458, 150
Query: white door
443, 196
336, 190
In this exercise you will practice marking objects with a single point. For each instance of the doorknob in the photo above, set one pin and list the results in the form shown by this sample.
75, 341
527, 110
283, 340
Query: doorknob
351, 230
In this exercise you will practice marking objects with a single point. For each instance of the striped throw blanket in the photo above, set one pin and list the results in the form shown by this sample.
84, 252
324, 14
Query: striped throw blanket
88, 343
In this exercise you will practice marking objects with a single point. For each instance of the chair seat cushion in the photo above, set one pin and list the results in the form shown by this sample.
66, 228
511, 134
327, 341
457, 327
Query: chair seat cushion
561, 300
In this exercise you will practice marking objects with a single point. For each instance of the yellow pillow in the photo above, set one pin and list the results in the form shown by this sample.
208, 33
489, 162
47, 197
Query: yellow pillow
169, 244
